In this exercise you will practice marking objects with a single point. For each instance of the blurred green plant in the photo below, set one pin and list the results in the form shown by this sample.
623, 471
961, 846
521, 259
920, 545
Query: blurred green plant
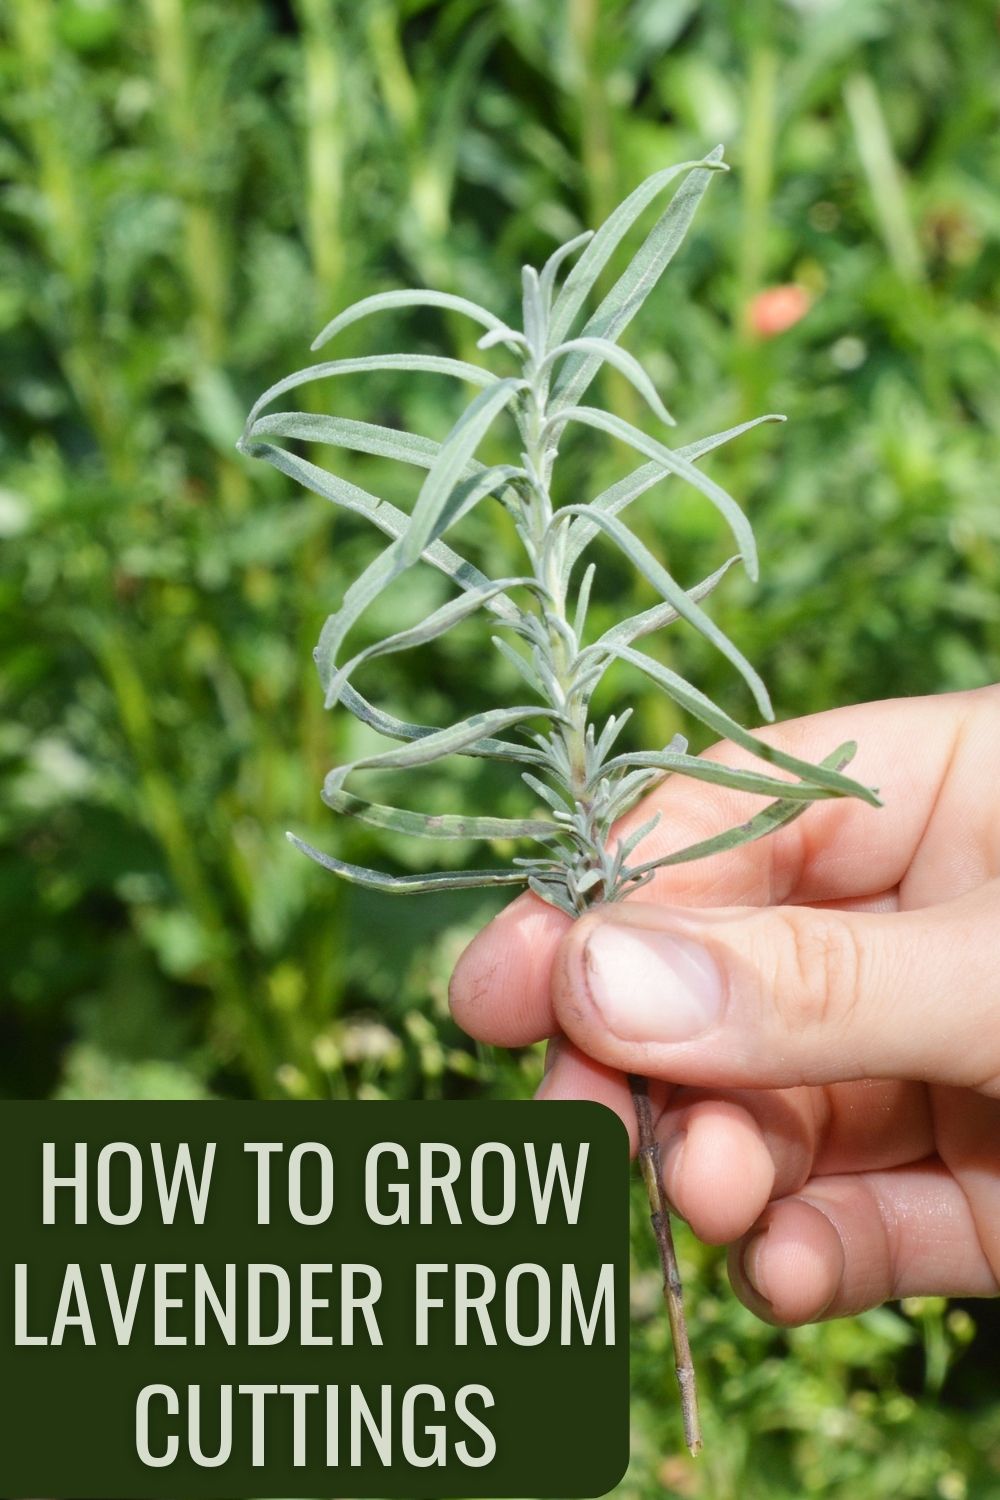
190, 187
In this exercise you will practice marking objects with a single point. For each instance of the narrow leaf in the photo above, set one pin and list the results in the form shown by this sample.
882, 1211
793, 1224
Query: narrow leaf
632, 288
400, 729
532, 309
588, 268
436, 624
422, 298
695, 702
583, 602
385, 516
558, 258
659, 616
456, 451
439, 880
388, 566
434, 364
656, 574
605, 421
521, 665
775, 816
604, 350
437, 825
619, 495
436, 746
711, 771
358, 437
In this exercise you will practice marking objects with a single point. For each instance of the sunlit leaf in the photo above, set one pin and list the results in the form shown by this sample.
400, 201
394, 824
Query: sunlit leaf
382, 301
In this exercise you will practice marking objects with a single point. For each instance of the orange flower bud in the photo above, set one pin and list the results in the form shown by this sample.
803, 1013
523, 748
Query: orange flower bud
778, 308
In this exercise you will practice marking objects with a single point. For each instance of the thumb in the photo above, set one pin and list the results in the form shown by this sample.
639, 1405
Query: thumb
789, 995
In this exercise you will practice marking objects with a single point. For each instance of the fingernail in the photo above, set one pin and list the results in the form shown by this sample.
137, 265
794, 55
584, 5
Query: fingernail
651, 986
752, 1264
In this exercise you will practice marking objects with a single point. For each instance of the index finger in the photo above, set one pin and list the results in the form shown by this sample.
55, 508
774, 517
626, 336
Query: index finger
840, 850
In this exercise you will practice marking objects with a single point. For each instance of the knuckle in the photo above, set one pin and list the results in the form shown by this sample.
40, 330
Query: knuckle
818, 967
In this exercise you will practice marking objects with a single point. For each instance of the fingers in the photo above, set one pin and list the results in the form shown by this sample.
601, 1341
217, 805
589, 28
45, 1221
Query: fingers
839, 851
742, 1147
787, 996
501, 988
848, 1243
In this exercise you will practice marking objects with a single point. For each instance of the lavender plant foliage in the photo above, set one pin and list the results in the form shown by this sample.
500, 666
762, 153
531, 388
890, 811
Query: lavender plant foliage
583, 785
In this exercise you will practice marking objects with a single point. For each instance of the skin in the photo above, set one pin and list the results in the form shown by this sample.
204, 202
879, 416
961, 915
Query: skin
839, 1125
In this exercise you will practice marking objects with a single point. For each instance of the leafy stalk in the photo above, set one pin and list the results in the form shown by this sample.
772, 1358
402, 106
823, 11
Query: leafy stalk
582, 785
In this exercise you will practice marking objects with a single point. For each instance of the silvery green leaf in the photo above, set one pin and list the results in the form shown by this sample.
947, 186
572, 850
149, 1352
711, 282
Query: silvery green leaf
341, 432
603, 350
631, 787
632, 288
520, 663
703, 708
720, 775
436, 825
456, 451
436, 624
628, 846
656, 574
421, 298
385, 516
434, 364
588, 268
389, 565
558, 258
618, 496
503, 335
435, 746
609, 734
554, 893
533, 311
438, 880
399, 729
583, 601
550, 797
659, 616
359, 437
592, 416
774, 816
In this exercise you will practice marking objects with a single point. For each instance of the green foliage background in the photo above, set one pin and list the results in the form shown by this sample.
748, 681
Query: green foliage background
191, 188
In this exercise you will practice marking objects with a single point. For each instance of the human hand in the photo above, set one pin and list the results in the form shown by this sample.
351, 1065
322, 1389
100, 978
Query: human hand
821, 1009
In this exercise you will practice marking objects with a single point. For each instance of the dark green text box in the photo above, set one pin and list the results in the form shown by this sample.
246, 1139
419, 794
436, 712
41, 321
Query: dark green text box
513, 1410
